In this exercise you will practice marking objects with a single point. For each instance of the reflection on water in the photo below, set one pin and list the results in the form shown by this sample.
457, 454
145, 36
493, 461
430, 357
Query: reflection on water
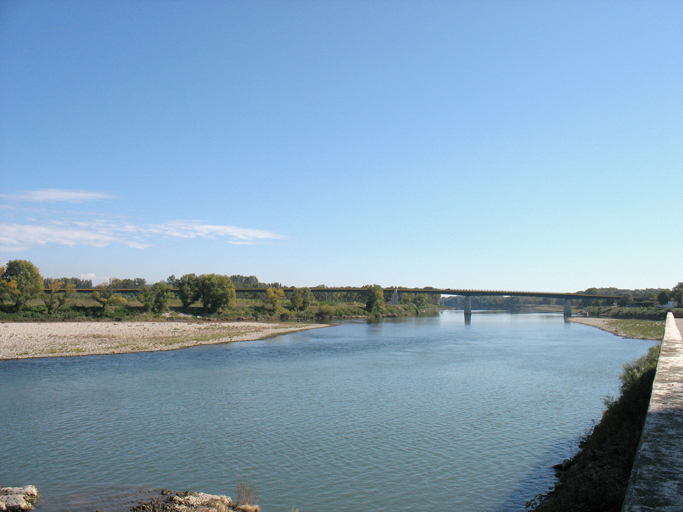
394, 414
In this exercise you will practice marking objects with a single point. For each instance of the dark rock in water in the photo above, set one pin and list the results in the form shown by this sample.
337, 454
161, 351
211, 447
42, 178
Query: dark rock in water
563, 466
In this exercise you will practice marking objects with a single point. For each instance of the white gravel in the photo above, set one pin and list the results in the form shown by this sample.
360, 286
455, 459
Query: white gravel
20, 340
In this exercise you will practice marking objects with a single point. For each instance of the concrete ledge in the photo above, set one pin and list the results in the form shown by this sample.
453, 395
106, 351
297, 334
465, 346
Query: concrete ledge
657, 477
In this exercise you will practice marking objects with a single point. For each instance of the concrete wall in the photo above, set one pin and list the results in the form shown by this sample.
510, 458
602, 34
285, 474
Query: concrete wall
657, 477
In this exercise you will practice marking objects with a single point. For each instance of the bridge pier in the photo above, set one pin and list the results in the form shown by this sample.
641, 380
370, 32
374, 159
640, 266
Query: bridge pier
567, 308
468, 306
394, 297
329, 296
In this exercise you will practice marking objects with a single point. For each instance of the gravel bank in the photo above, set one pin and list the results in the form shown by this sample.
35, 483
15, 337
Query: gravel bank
20, 340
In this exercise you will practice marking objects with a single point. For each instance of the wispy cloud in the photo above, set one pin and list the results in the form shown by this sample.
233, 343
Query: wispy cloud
24, 227
21, 237
104, 232
185, 229
56, 195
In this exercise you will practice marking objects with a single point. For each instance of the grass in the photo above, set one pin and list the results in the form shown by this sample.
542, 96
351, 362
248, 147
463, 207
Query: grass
598, 474
644, 329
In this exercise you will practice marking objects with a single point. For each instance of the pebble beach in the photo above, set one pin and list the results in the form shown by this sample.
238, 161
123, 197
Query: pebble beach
19, 340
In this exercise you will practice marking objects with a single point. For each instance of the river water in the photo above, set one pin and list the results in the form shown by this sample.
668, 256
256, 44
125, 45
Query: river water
417, 413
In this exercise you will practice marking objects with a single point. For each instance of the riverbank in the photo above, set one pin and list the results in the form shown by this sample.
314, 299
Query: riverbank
595, 479
19, 340
638, 329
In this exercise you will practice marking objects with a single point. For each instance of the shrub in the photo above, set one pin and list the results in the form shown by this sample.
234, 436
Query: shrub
245, 494
216, 292
157, 297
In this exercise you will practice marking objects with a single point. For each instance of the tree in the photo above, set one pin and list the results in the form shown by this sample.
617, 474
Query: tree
374, 298
157, 297
664, 297
216, 292
188, 289
301, 299
8, 287
677, 293
55, 299
626, 300
297, 300
105, 293
26, 276
274, 296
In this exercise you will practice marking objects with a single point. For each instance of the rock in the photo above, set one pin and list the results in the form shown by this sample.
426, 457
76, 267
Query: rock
15, 502
563, 466
187, 502
18, 498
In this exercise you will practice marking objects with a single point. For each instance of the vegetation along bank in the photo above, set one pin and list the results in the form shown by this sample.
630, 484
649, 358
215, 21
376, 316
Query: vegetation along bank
596, 478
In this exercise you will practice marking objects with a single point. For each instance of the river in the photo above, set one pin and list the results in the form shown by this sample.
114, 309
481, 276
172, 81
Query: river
426, 413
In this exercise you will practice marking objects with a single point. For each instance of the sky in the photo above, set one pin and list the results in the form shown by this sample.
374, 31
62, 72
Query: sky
503, 145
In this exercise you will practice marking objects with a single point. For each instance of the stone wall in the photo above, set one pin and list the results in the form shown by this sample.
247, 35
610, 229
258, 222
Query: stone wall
656, 482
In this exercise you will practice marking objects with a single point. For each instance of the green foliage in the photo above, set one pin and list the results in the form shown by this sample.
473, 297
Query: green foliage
105, 294
374, 298
677, 293
301, 299
157, 298
188, 289
639, 313
664, 297
273, 297
8, 287
216, 292
626, 300
132, 284
57, 297
325, 311
75, 281
22, 282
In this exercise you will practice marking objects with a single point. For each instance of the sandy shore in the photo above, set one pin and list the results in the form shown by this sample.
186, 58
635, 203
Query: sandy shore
20, 340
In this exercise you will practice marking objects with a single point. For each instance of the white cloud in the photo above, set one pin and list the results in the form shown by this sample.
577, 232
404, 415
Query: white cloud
18, 237
55, 195
104, 231
88, 276
185, 229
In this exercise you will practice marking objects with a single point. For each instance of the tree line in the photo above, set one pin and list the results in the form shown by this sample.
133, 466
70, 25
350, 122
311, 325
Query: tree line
21, 282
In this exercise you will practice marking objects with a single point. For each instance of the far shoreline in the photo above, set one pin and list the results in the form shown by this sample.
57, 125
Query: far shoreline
30, 340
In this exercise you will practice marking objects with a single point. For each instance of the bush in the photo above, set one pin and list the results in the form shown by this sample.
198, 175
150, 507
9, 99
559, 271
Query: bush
157, 297
216, 292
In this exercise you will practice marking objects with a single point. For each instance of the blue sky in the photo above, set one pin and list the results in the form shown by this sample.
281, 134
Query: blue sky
491, 145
